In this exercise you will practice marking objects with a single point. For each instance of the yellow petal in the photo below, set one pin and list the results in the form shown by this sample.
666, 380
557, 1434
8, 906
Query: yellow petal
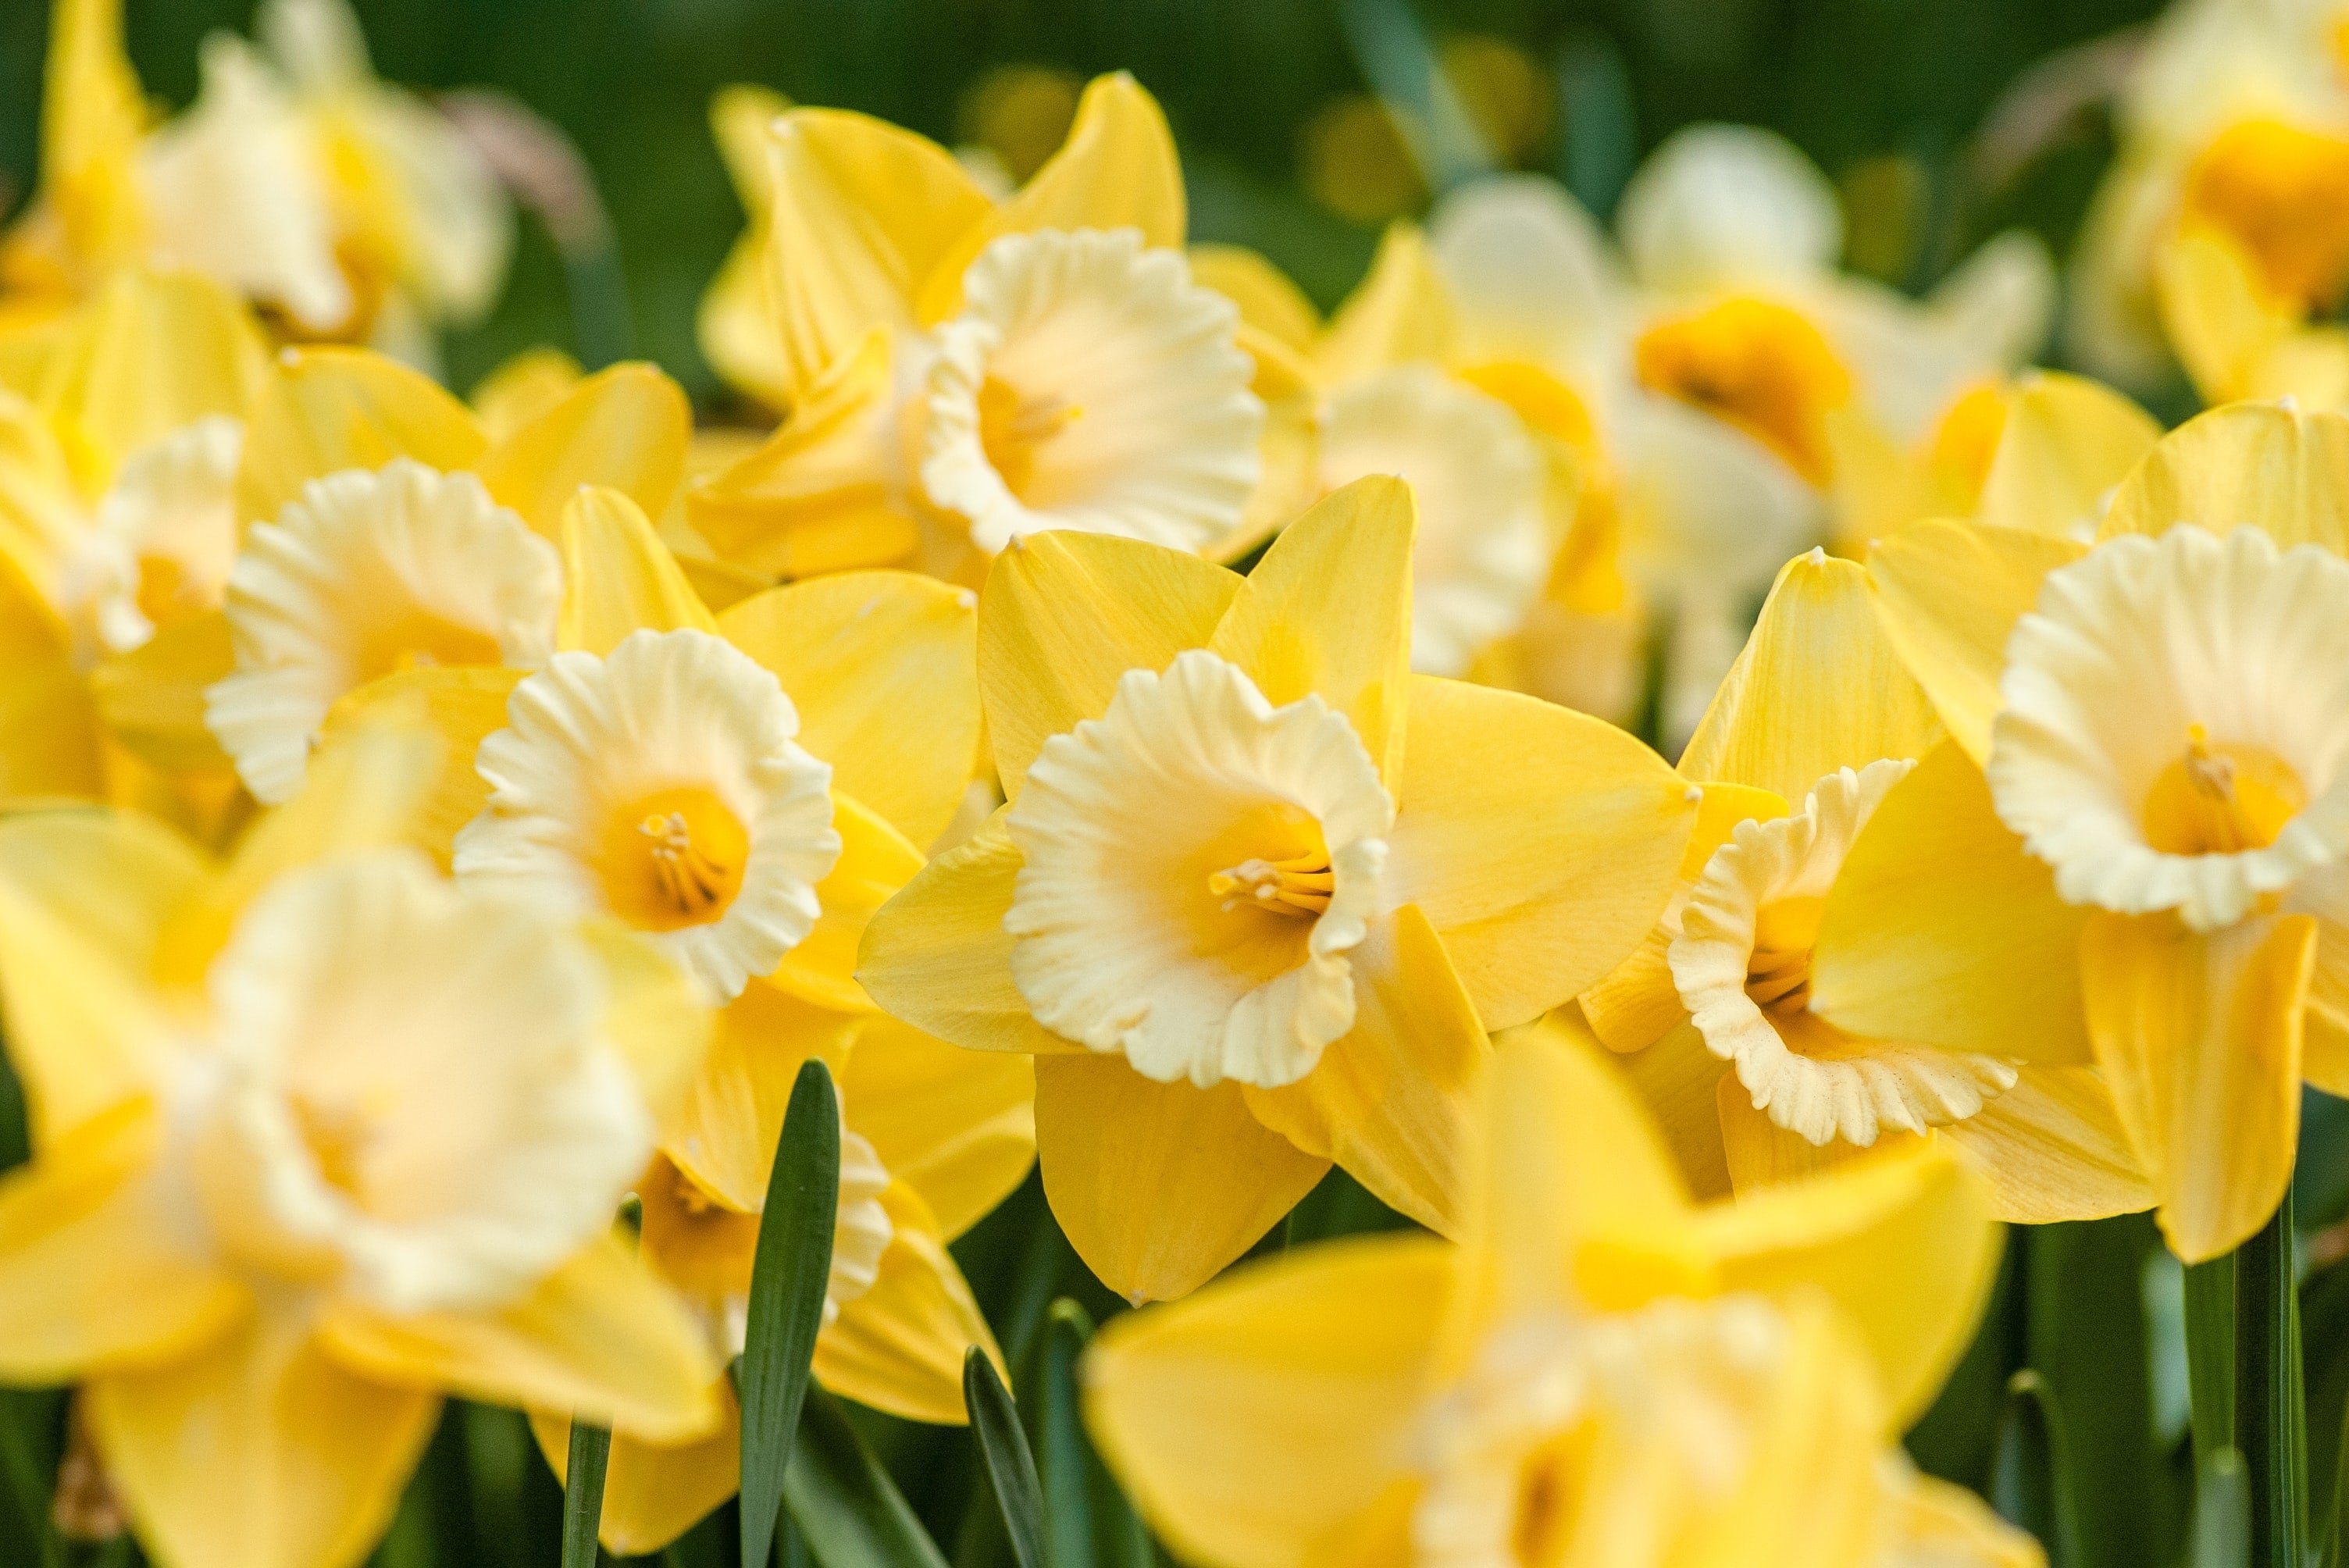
625, 429
1680, 1081
1268, 301
1948, 593
735, 326
462, 706
151, 355
93, 115
874, 861
521, 389
1902, 1239
816, 496
1817, 687
263, 1451
326, 410
883, 667
1576, 1205
1394, 1099
1401, 311
2199, 1038
1257, 1423
2251, 465
618, 577
899, 1346
937, 956
654, 1015
2219, 316
49, 726
85, 899
1118, 170
2067, 441
2052, 1148
1946, 1523
654, 1494
722, 1132
742, 116
1064, 614
1328, 611
1542, 843
1759, 1153
1159, 1185
1941, 929
864, 212
957, 1127
152, 699
97, 1272
600, 1336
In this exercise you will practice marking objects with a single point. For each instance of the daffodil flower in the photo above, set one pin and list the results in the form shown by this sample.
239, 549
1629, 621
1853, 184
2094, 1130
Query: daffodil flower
384, 531
318, 1137
1259, 891
742, 791
1720, 1011
959, 372
344, 206
1601, 1371
2133, 836
2215, 236
124, 427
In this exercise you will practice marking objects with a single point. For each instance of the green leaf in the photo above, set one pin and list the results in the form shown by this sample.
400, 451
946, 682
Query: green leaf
2324, 1335
2088, 1337
1010, 1468
2223, 1512
1067, 1491
2270, 1418
788, 1275
583, 1493
2030, 1482
845, 1504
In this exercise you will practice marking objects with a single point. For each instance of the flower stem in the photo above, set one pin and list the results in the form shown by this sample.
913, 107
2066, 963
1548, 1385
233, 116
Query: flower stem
2270, 1416
2210, 1355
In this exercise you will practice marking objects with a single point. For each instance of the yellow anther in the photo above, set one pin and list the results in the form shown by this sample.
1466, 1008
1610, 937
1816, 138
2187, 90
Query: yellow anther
689, 879
2220, 800
1300, 885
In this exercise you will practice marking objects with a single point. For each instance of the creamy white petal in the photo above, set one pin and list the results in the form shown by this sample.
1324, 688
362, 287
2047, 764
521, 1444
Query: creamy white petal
165, 536
1717, 204
1476, 476
1090, 384
1197, 865
1533, 275
368, 573
672, 762
2146, 654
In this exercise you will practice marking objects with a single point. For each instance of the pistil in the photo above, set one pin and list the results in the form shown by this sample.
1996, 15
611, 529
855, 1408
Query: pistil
1300, 885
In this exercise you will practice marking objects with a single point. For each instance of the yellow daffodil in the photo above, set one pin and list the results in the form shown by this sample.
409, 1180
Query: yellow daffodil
124, 423
342, 205
743, 791
1602, 1372
2041, 452
1719, 1006
319, 1136
2132, 838
1259, 891
382, 529
2218, 232
958, 372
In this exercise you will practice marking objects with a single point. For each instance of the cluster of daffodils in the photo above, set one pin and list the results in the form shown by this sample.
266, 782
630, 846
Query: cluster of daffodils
1125, 725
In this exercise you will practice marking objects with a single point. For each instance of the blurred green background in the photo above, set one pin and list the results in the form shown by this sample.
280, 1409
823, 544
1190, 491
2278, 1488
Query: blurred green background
1282, 146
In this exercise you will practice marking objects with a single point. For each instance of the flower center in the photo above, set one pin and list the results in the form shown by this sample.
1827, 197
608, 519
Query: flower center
2283, 193
1778, 974
1012, 427
674, 859
2220, 800
1300, 884
1761, 368
420, 640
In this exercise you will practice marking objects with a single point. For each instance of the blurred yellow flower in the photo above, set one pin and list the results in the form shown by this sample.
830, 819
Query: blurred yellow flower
319, 1136
1601, 1372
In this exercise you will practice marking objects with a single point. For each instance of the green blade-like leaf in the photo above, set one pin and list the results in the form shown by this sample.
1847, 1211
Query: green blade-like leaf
789, 1272
2029, 1482
848, 1511
2087, 1336
2223, 1512
2270, 1418
583, 1493
1010, 1468
2210, 1353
